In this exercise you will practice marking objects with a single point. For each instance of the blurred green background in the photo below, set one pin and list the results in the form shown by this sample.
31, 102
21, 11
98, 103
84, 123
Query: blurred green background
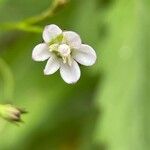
108, 108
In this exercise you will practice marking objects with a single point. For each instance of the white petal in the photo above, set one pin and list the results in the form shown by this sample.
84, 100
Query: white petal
52, 66
70, 74
50, 32
41, 52
72, 38
85, 55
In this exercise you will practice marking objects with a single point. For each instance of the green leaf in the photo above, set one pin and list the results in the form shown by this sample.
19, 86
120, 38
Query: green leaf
123, 95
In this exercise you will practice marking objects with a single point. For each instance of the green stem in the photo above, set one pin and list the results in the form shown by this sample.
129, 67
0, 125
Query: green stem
29, 23
20, 26
38, 18
7, 79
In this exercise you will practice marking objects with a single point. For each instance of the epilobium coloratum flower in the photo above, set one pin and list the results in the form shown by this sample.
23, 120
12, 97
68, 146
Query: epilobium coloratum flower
63, 49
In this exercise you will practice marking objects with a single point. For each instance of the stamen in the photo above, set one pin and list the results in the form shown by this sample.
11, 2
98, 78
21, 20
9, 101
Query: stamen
69, 60
64, 50
53, 47
64, 59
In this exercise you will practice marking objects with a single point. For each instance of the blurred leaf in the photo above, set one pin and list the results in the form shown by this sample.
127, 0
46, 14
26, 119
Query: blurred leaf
124, 124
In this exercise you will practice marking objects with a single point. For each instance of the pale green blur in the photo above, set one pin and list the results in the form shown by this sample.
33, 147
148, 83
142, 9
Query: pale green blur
109, 107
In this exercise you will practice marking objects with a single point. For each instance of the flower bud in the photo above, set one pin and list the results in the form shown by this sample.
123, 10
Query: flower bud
11, 113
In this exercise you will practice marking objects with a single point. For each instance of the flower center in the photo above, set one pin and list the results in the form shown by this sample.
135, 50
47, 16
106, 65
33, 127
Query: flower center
53, 47
64, 50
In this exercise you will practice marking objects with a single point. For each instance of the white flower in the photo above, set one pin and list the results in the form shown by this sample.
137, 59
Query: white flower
63, 49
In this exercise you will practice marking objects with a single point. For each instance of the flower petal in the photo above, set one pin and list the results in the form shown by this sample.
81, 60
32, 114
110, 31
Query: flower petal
52, 65
73, 39
70, 73
85, 55
50, 32
41, 52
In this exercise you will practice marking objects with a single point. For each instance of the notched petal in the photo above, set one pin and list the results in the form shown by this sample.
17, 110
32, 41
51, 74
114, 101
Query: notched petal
41, 52
72, 38
51, 32
85, 55
52, 66
70, 73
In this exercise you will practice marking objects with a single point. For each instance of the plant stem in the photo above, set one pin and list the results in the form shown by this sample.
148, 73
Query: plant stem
8, 80
28, 24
